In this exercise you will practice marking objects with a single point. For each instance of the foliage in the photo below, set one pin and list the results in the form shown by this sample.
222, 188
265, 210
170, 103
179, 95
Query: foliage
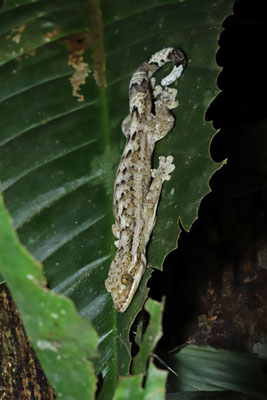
64, 93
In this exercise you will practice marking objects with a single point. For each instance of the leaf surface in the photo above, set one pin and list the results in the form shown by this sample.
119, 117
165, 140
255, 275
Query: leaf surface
151, 336
64, 95
203, 368
50, 320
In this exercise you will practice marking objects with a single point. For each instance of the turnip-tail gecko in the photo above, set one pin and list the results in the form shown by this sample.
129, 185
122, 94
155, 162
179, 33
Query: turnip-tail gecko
137, 187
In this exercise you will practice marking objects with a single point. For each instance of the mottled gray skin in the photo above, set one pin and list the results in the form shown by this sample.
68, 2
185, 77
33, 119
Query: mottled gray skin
137, 187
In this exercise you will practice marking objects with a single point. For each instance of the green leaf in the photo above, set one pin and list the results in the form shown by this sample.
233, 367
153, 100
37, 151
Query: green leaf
131, 387
60, 139
155, 380
155, 383
203, 368
62, 340
207, 396
152, 335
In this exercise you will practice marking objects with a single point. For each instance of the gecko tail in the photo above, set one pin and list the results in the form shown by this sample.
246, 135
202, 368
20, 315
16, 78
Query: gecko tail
140, 86
155, 62
169, 54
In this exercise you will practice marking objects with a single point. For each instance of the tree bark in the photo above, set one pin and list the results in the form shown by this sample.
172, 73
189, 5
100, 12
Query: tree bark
21, 376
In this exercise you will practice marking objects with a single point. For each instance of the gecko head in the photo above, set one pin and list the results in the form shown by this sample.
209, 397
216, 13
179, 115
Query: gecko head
123, 284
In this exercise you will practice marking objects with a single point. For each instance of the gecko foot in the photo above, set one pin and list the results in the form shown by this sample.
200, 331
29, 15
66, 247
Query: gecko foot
164, 169
157, 91
168, 97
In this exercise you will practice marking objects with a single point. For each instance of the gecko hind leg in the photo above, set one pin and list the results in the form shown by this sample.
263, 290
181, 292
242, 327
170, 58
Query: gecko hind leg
167, 97
164, 120
157, 90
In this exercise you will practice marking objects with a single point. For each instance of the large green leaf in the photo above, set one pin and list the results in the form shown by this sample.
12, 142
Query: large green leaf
203, 368
59, 151
51, 321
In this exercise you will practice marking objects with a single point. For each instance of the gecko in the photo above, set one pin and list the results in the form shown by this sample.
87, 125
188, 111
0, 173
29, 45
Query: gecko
137, 187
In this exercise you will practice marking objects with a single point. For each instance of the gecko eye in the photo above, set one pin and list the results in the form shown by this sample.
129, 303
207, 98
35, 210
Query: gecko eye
127, 279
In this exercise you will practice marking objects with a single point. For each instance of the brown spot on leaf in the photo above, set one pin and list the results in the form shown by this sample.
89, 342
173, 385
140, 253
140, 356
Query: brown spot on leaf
50, 35
18, 32
77, 44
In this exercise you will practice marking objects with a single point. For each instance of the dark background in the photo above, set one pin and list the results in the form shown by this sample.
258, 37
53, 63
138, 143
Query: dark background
215, 282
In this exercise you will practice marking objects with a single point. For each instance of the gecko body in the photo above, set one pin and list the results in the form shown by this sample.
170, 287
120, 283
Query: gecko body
137, 187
